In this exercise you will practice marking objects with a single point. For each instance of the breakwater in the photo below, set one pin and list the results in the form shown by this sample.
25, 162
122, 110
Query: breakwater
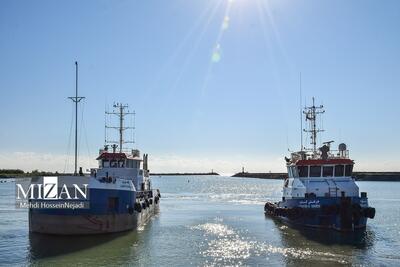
359, 176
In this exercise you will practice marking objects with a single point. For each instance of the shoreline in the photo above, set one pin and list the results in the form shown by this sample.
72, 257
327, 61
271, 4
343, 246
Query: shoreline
184, 173
359, 176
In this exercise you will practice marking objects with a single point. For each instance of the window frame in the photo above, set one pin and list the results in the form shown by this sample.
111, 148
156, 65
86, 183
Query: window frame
295, 173
351, 170
113, 163
106, 163
315, 166
307, 174
290, 174
336, 166
326, 167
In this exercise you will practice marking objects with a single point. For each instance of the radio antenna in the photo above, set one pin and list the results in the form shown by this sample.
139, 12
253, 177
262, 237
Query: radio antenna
311, 116
76, 99
119, 111
301, 117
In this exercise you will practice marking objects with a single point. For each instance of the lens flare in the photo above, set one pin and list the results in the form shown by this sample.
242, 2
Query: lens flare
216, 55
225, 23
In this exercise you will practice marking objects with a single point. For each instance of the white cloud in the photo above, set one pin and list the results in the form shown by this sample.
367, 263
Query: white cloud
29, 161
221, 164
163, 163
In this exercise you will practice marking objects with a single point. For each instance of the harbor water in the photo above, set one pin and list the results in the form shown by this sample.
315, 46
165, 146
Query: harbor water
210, 221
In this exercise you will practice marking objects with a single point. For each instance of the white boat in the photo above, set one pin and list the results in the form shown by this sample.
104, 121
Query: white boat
320, 190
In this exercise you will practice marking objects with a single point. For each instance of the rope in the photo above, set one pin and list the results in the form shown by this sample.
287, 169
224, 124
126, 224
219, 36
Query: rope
86, 140
66, 162
80, 132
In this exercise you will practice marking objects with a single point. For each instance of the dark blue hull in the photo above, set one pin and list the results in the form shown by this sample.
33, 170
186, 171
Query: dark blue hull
339, 213
99, 203
110, 211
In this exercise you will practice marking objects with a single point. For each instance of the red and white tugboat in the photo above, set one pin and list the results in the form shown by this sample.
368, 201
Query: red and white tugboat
320, 190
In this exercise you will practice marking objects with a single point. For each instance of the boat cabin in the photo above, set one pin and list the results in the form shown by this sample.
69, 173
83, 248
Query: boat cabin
118, 160
321, 168
319, 174
119, 165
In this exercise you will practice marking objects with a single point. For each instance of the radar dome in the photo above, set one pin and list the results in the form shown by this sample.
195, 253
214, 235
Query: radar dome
342, 147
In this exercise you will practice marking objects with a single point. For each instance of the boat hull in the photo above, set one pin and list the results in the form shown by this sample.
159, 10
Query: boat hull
89, 224
98, 219
342, 214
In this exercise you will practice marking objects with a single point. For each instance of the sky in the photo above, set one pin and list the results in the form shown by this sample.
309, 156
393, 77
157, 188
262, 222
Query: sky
215, 84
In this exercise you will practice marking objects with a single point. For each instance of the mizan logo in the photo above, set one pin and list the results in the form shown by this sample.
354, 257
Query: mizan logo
50, 187
50, 190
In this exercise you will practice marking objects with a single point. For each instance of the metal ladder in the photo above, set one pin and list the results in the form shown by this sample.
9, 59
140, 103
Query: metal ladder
332, 188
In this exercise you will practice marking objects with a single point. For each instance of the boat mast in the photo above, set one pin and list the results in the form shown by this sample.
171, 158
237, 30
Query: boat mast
120, 112
311, 115
301, 119
121, 127
76, 99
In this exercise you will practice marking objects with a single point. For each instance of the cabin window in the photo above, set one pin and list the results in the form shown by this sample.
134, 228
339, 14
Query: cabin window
121, 163
339, 170
349, 170
113, 164
315, 171
303, 171
129, 163
294, 172
106, 164
290, 172
327, 171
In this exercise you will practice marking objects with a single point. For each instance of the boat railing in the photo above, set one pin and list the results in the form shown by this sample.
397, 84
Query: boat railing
339, 154
332, 154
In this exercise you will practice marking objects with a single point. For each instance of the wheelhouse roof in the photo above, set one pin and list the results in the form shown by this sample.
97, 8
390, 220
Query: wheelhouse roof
307, 162
116, 156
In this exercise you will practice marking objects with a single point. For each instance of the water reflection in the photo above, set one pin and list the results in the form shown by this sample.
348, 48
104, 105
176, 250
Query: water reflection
362, 238
97, 250
324, 245
210, 222
359, 239
43, 246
